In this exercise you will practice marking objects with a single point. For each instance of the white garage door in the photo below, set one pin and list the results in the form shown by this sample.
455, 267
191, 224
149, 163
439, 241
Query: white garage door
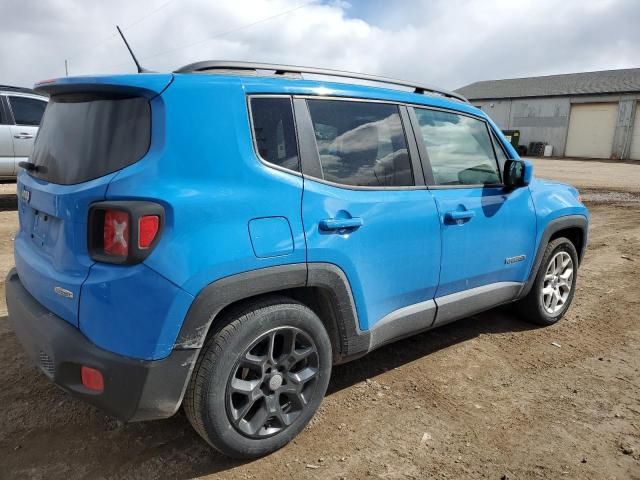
635, 137
591, 129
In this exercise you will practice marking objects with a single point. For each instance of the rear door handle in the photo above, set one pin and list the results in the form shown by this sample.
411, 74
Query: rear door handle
23, 135
459, 216
333, 224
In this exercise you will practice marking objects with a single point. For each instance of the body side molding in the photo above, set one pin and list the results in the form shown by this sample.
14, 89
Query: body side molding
353, 342
403, 323
475, 300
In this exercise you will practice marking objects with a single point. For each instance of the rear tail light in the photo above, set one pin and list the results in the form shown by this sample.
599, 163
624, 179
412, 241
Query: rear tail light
124, 232
147, 230
116, 233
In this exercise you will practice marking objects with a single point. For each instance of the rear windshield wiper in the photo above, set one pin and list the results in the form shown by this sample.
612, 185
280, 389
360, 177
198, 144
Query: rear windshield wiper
30, 167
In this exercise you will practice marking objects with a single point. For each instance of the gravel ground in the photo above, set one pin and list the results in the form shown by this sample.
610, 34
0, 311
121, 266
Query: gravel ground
487, 397
590, 174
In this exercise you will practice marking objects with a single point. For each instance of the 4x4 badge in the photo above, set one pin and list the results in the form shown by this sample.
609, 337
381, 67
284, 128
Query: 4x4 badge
63, 292
26, 195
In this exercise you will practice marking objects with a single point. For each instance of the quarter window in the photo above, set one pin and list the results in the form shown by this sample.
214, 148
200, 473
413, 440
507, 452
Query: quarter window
274, 131
361, 143
27, 111
500, 154
459, 148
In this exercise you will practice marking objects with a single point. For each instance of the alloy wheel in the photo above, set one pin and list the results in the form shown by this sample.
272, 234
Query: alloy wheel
558, 282
273, 382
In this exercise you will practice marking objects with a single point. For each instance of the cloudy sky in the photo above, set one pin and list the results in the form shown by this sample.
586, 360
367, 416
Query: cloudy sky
445, 42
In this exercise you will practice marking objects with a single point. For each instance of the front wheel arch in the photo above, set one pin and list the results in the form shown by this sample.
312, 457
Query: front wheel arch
572, 227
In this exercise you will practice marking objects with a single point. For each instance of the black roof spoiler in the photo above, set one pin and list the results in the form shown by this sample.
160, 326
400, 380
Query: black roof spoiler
212, 65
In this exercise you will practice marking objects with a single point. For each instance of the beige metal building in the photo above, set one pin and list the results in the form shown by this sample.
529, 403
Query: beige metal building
588, 115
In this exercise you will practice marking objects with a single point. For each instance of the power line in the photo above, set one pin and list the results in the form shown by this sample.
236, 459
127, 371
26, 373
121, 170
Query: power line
153, 12
126, 27
227, 32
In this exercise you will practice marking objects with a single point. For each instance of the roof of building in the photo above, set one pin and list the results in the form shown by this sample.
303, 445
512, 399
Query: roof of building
586, 83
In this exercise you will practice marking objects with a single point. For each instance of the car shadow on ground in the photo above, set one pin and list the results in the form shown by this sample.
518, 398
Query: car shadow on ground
95, 444
499, 320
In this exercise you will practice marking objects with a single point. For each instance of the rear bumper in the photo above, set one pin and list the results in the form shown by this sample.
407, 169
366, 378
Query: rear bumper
133, 389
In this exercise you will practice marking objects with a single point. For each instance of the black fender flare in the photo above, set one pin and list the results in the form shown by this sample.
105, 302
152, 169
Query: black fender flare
554, 226
227, 290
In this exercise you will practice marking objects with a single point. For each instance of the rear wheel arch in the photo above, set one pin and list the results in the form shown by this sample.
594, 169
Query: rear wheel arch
321, 287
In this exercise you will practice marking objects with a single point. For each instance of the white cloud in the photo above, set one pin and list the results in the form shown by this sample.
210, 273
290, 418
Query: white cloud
445, 42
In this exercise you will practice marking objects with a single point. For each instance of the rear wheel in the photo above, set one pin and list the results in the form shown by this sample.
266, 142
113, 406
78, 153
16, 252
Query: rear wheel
554, 286
260, 379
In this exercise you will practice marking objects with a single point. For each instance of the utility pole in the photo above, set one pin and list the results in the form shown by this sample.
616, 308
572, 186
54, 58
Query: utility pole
66, 67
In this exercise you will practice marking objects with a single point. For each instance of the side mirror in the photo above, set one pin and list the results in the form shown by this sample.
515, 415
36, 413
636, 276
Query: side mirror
517, 173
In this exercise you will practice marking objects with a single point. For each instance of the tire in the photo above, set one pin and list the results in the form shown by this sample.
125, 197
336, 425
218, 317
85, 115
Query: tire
260, 378
537, 307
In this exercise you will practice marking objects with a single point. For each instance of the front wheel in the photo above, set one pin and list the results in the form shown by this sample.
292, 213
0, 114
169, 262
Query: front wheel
554, 285
260, 379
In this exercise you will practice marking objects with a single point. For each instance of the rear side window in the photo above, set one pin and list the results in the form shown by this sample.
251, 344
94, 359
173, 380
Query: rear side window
459, 148
85, 137
361, 143
274, 131
27, 111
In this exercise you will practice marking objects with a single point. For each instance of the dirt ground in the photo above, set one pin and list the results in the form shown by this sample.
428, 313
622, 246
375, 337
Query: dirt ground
590, 174
487, 397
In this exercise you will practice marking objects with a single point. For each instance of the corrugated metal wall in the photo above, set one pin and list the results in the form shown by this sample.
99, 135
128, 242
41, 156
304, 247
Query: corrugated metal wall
538, 119
547, 120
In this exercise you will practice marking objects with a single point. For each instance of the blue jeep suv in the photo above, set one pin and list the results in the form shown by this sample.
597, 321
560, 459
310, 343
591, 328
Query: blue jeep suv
219, 237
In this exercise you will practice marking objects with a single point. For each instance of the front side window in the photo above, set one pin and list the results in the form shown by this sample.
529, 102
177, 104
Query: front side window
274, 131
459, 148
361, 143
27, 111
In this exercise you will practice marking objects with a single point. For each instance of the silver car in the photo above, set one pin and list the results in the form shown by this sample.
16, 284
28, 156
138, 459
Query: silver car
20, 114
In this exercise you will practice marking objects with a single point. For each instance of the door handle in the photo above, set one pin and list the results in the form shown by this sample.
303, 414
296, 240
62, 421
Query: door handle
333, 224
23, 135
459, 216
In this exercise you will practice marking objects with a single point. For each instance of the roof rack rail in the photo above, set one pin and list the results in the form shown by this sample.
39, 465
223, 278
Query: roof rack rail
11, 88
286, 69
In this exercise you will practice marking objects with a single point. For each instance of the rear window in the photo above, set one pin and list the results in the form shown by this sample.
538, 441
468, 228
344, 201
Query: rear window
85, 137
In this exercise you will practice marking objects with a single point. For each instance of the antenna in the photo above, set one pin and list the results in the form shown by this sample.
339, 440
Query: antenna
140, 69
